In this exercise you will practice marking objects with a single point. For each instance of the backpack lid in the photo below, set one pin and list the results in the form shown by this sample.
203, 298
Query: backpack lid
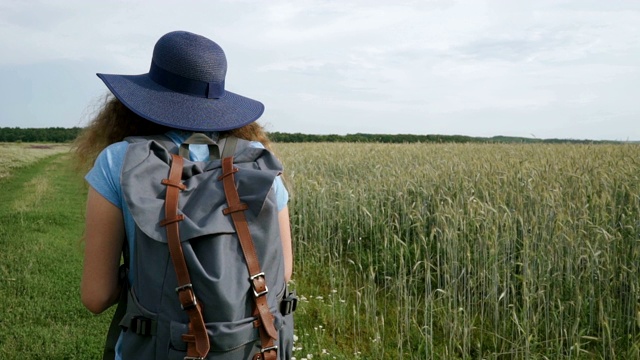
203, 200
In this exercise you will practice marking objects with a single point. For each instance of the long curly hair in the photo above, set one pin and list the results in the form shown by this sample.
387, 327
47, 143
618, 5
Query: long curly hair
114, 122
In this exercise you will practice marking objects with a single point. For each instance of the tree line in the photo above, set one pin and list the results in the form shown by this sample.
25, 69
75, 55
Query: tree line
50, 135
412, 138
59, 135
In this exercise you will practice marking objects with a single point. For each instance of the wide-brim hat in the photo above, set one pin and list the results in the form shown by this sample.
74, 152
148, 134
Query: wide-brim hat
185, 87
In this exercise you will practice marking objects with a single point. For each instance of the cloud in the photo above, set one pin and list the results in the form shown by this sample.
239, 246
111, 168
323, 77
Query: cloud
469, 67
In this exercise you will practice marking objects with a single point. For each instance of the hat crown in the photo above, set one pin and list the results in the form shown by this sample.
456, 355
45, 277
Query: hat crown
191, 56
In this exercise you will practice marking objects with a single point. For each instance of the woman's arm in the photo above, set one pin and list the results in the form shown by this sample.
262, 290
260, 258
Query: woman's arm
104, 236
285, 237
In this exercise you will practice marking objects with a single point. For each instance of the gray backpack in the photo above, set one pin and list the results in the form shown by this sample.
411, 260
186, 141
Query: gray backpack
207, 264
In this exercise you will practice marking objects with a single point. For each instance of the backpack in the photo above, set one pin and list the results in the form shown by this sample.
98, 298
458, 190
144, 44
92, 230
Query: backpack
207, 264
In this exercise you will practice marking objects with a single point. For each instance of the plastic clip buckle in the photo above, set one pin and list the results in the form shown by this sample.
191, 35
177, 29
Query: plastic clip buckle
141, 325
289, 304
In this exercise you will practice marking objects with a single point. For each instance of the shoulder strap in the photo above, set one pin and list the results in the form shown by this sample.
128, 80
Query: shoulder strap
230, 143
268, 333
197, 338
114, 328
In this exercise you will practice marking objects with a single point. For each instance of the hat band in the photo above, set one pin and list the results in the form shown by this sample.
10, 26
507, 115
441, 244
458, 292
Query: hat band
181, 84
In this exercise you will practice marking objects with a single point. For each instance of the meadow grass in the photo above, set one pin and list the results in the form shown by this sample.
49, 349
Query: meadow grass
425, 251
467, 251
16, 155
41, 221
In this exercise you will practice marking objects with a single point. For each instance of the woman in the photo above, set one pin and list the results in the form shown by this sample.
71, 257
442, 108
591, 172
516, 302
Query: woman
183, 92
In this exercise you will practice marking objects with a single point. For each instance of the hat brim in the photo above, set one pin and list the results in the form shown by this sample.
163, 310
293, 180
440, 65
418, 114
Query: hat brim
160, 105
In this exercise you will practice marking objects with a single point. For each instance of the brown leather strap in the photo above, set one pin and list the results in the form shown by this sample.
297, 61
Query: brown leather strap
257, 279
199, 347
268, 351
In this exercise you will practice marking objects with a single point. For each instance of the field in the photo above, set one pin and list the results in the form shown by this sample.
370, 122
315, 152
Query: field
424, 251
16, 155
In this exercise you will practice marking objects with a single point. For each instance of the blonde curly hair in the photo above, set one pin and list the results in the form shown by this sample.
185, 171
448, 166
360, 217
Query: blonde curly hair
114, 122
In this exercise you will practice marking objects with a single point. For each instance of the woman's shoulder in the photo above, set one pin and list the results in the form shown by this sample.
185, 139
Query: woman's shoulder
118, 147
113, 154
256, 144
104, 177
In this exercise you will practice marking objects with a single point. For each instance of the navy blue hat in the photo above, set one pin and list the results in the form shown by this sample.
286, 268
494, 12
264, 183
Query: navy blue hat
184, 87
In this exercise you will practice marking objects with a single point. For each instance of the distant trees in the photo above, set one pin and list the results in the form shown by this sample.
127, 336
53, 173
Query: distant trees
411, 138
52, 134
379, 138
58, 134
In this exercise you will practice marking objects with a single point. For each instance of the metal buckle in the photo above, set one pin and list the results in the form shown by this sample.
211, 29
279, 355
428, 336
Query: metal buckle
253, 286
193, 358
274, 347
191, 305
184, 287
194, 301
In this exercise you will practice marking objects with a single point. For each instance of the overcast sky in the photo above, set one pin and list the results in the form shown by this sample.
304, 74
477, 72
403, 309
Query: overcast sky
543, 68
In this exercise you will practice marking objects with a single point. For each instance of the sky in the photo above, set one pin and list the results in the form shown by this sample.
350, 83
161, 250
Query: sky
538, 69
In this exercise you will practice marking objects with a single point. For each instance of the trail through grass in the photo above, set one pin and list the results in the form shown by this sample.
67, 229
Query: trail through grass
17, 155
41, 221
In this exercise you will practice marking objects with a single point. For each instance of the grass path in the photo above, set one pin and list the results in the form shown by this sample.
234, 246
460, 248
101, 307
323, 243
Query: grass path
41, 221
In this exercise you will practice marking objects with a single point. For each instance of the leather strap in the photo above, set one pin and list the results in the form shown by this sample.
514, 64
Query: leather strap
257, 278
198, 344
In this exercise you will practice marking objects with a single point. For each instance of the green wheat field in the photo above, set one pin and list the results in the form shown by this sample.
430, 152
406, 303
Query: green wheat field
412, 251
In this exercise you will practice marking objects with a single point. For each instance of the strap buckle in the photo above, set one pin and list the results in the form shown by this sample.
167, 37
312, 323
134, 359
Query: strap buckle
193, 302
141, 326
257, 284
188, 286
269, 348
289, 304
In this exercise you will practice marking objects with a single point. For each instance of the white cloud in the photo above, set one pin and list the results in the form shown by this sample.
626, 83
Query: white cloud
337, 66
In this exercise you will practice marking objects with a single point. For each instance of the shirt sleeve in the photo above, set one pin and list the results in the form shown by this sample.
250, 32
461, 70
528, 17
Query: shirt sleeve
104, 177
282, 195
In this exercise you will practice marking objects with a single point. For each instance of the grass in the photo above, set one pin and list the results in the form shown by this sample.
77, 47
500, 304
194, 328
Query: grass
421, 251
16, 155
40, 227
469, 251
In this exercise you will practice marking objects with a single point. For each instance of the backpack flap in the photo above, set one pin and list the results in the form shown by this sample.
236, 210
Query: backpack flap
149, 162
